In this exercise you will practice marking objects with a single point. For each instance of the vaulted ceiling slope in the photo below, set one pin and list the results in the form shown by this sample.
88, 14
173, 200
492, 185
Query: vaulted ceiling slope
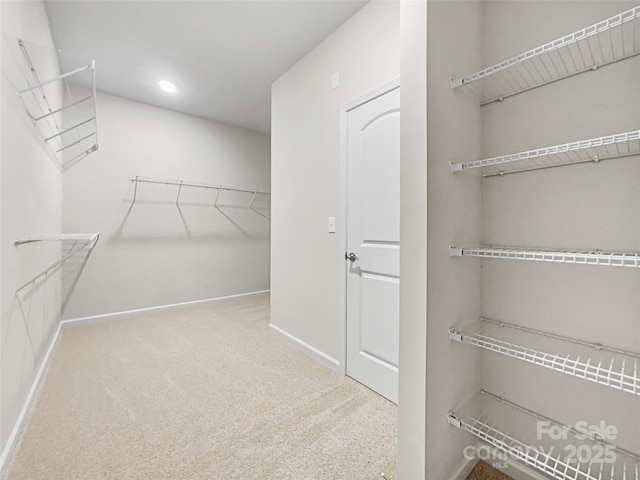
222, 56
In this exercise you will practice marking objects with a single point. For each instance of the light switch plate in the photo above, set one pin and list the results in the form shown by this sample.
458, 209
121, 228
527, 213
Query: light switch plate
331, 225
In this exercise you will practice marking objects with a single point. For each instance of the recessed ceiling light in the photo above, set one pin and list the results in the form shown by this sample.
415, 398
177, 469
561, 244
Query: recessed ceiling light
167, 86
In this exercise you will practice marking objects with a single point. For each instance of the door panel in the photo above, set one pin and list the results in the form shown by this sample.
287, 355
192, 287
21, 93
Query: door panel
373, 222
381, 315
381, 180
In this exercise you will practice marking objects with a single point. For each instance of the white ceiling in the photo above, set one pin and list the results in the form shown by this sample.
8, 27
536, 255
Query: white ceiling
223, 56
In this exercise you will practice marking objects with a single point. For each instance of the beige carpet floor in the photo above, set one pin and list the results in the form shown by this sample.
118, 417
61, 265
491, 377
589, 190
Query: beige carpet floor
484, 471
201, 393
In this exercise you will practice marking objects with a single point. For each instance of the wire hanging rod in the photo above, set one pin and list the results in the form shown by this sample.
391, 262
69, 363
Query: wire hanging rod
183, 183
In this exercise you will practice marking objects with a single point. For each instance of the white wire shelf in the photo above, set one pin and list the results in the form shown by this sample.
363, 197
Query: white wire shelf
49, 102
603, 43
77, 243
612, 367
526, 436
609, 147
609, 259
180, 184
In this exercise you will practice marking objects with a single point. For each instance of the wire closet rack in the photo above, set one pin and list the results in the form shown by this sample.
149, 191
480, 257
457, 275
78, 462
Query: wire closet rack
609, 147
575, 455
68, 123
77, 243
612, 367
180, 184
609, 259
608, 41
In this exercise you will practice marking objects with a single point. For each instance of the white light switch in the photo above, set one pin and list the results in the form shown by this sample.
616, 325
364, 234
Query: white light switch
335, 80
332, 225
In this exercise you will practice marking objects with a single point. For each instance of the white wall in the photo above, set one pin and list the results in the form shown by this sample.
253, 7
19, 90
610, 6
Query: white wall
592, 206
153, 253
30, 206
453, 286
306, 261
413, 234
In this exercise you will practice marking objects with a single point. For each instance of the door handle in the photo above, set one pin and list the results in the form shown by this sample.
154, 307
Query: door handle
351, 256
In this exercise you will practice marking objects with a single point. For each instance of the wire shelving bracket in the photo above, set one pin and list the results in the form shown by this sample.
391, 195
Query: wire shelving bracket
612, 367
69, 140
591, 150
610, 259
79, 242
525, 436
182, 183
603, 43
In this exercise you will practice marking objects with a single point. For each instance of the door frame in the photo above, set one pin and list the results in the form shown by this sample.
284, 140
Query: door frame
342, 206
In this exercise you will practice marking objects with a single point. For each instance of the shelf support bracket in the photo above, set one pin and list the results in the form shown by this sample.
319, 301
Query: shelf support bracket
453, 420
455, 251
456, 167
135, 190
455, 335
253, 197
179, 190
455, 82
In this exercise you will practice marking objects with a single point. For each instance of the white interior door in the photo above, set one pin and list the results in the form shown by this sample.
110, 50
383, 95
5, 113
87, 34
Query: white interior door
373, 239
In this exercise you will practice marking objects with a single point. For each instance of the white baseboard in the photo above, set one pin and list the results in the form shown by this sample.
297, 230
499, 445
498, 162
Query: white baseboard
159, 308
321, 357
518, 471
508, 466
464, 469
17, 428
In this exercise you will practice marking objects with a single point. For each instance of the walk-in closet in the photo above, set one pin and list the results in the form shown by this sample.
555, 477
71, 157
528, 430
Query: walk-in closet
320, 239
